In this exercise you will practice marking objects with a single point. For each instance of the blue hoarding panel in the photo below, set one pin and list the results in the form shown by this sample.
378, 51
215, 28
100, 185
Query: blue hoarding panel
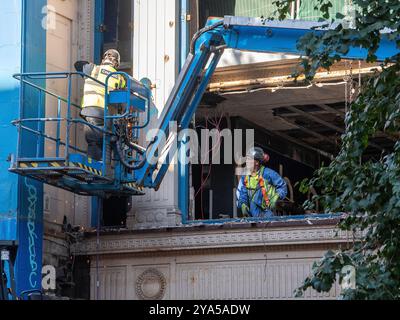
10, 21
30, 192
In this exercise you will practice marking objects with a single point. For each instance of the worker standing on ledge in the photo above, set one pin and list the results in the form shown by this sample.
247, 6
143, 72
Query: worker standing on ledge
93, 97
259, 191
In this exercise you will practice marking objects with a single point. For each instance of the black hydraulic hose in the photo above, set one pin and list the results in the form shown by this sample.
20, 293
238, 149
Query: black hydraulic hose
135, 147
126, 163
202, 31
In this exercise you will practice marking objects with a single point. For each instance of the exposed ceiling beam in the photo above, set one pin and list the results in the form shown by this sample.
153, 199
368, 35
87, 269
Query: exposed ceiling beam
308, 131
331, 110
301, 143
326, 123
342, 113
294, 115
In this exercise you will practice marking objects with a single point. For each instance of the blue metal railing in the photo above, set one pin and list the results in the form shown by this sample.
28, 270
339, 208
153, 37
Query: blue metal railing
285, 218
36, 125
27, 79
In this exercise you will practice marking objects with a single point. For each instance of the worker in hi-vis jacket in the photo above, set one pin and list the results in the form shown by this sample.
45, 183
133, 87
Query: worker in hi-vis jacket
93, 104
94, 97
258, 192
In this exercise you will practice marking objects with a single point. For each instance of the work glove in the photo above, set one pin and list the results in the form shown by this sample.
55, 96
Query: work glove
79, 65
245, 211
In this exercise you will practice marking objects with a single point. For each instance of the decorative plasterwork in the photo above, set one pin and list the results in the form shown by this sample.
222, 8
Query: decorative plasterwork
212, 239
151, 285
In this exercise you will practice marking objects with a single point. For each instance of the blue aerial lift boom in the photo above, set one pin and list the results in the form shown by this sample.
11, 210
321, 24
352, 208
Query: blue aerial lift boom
132, 167
126, 167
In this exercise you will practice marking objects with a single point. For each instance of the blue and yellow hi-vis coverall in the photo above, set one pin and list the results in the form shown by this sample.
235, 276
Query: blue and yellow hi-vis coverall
259, 193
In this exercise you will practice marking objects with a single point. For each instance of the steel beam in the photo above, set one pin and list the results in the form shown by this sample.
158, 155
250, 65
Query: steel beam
308, 131
326, 123
342, 113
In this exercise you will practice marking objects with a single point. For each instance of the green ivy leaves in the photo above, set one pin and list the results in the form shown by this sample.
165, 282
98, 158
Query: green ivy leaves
368, 190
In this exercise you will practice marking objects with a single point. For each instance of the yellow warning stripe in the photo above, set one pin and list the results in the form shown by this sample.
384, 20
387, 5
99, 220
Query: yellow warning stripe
29, 164
55, 164
58, 165
134, 186
85, 167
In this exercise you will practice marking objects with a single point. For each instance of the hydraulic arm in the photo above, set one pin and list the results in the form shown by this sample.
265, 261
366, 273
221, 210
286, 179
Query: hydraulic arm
127, 167
207, 46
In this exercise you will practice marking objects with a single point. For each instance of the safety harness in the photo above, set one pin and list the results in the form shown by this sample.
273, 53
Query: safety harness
261, 184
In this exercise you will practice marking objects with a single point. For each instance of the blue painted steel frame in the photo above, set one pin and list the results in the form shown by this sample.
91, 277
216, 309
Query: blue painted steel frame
135, 100
270, 219
98, 34
21, 210
183, 170
178, 107
99, 9
30, 226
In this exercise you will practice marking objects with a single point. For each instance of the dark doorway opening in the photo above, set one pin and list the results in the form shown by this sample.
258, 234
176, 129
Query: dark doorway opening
115, 211
116, 30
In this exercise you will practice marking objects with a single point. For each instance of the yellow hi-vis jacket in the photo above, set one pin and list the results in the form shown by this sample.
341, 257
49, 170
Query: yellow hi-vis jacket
93, 92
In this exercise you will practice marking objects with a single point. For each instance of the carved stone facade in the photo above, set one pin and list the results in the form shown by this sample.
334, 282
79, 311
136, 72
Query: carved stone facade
231, 261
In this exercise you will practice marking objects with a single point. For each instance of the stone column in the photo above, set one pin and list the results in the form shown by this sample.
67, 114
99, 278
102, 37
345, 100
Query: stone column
156, 56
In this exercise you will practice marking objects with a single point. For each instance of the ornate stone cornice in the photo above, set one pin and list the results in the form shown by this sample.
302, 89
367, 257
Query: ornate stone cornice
179, 240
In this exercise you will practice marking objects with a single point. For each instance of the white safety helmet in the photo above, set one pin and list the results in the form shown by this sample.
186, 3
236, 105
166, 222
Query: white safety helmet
112, 57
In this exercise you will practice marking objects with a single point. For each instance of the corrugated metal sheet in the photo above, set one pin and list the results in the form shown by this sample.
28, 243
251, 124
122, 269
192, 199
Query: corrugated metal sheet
307, 11
258, 8
254, 8
245, 8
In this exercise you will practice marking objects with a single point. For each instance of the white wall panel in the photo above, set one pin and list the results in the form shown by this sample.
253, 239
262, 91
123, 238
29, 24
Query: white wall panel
233, 276
113, 282
156, 57
64, 44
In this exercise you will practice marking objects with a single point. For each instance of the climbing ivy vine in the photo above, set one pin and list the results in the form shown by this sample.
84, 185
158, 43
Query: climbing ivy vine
366, 189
